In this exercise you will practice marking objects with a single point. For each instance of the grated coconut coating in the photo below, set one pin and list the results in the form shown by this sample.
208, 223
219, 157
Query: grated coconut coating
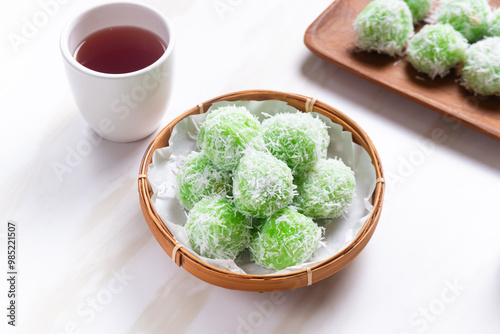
298, 139
198, 178
481, 71
419, 9
262, 184
435, 49
468, 17
384, 26
286, 239
319, 130
226, 133
494, 25
326, 191
216, 229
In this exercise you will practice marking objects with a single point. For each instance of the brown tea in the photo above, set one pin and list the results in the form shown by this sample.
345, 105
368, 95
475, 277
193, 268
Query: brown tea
120, 49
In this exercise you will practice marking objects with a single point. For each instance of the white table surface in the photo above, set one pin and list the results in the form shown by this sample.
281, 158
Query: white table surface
88, 262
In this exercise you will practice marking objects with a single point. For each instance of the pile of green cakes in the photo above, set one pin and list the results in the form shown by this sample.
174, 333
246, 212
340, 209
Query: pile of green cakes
258, 186
463, 34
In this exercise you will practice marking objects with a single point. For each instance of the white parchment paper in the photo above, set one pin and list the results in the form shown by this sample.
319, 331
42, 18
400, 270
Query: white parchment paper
339, 232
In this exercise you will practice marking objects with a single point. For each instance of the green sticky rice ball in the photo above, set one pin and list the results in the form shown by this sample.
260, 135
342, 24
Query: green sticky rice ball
319, 130
262, 184
481, 71
384, 26
287, 238
494, 26
437, 48
326, 190
216, 229
298, 139
226, 133
257, 224
198, 178
419, 9
468, 17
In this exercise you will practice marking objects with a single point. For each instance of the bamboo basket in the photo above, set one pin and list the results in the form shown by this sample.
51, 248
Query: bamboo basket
262, 283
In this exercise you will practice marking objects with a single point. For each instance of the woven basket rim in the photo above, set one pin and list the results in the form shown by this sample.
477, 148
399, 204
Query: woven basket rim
359, 136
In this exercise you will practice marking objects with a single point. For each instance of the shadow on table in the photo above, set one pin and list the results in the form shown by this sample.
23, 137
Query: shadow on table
307, 303
111, 153
403, 112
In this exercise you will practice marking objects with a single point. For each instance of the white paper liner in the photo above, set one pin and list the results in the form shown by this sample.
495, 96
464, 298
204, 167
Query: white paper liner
339, 232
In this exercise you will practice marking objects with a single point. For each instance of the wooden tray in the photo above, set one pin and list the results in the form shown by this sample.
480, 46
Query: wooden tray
331, 37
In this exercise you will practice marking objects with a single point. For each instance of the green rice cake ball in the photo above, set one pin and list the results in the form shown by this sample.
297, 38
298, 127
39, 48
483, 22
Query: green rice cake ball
226, 133
214, 112
319, 130
286, 239
481, 71
326, 191
468, 17
436, 48
494, 26
384, 26
419, 9
298, 139
198, 178
216, 229
257, 224
262, 184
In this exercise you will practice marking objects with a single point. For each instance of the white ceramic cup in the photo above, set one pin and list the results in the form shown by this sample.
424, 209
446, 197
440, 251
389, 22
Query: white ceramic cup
120, 107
